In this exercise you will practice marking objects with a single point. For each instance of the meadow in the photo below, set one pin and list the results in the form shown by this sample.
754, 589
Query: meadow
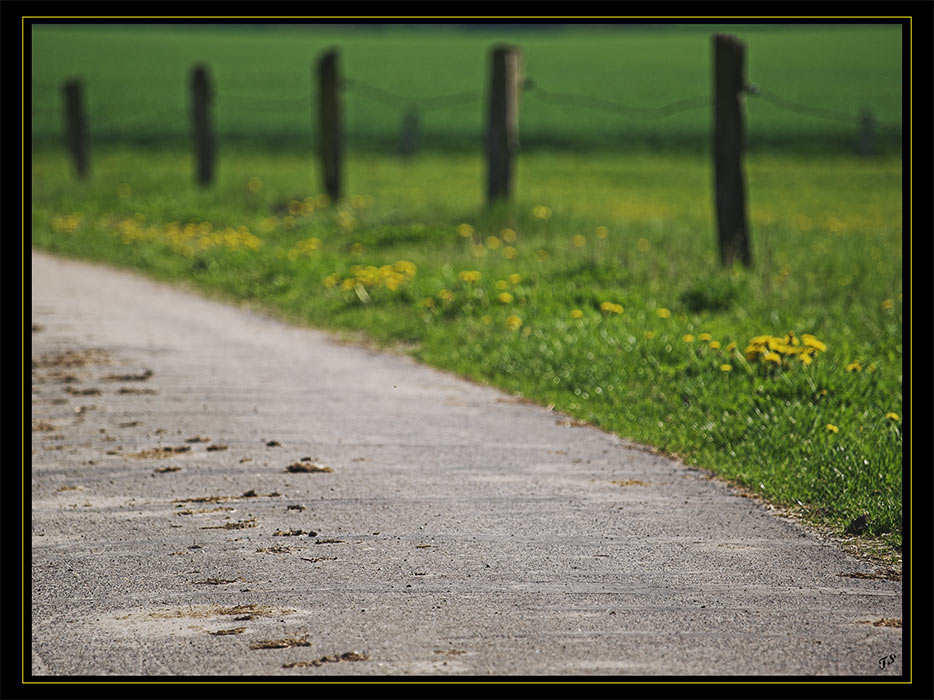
596, 290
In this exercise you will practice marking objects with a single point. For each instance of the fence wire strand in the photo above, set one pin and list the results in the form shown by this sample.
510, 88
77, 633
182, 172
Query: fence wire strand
758, 91
265, 102
606, 105
378, 94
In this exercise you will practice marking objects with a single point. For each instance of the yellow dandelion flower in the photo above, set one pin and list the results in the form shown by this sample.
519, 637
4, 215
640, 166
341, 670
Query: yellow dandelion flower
577, 313
726, 368
610, 307
579, 241
715, 344
477, 250
492, 242
357, 249
514, 278
446, 295
502, 285
805, 359
254, 184
602, 232
470, 275
663, 313
687, 338
406, 268
892, 416
650, 334
509, 252
428, 303
812, 342
542, 255
504, 298
541, 212
486, 320
731, 347
887, 304
832, 428
508, 235
854, 367
465, 231
773, 357
704, 337
513, 322
643, 245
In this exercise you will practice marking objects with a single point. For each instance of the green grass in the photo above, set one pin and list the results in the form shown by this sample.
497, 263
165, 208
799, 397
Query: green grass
827, 248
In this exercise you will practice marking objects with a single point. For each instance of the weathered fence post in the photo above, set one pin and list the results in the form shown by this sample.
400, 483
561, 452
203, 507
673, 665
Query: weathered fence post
409, 142
729, 143
76, 131
201, 125
329, 123
866, 135
503, 127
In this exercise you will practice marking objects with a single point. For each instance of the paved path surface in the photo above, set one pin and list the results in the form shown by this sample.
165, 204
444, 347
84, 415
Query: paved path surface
460, 531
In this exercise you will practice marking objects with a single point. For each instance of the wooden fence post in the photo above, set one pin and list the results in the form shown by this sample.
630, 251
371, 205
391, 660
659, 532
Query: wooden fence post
729, 143
201, 125
76, 132
866, 135
408, 145
329, 123
503, 127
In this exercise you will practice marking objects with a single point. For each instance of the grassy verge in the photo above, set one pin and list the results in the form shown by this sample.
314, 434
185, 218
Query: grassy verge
597, 292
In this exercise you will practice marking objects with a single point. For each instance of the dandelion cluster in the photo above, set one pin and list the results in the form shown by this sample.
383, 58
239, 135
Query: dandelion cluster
773, 351
611, 308
390, 277
192, 238
66, 223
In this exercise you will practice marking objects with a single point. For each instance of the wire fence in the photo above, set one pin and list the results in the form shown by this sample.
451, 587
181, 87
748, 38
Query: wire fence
601, 103
177, 114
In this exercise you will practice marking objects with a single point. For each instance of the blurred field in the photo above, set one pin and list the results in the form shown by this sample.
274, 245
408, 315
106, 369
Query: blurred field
136, 82
597, 290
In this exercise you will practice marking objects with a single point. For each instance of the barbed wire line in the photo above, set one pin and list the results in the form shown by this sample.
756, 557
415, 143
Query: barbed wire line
163, 114
260, 102
606, 105
756, 90
378, 94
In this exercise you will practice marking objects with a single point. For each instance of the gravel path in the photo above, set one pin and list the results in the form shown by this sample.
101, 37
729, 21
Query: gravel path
218, 493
